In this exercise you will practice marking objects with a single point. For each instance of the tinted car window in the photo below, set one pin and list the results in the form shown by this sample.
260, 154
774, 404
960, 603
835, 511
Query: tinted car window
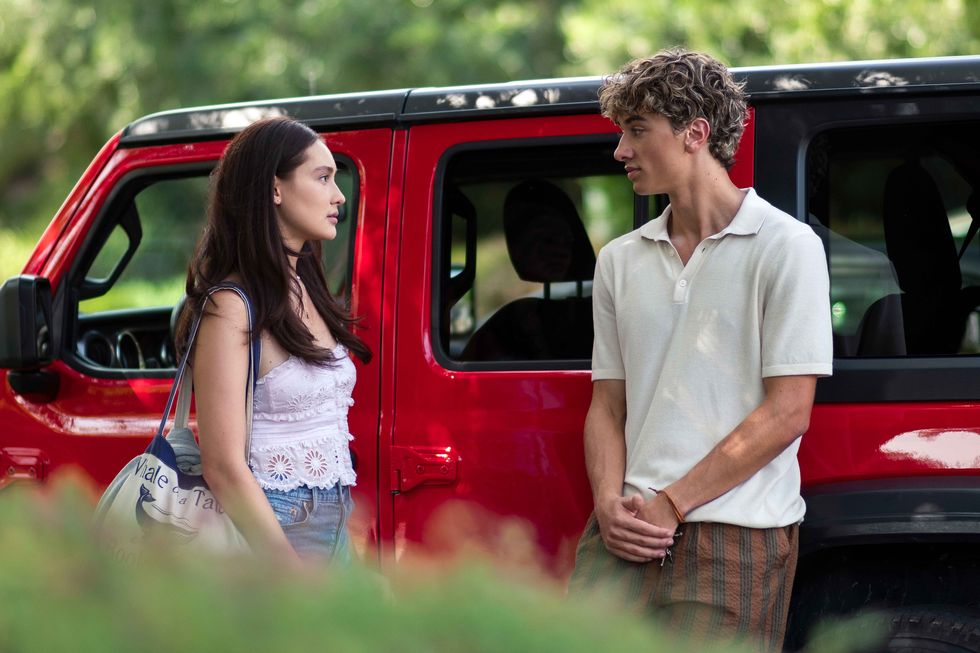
127, 326
896, 207
519, 231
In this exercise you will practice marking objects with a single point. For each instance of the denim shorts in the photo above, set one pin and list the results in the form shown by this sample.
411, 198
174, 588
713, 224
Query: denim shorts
315, 520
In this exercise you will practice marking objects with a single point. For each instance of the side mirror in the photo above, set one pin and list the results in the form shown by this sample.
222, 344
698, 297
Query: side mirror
25, 323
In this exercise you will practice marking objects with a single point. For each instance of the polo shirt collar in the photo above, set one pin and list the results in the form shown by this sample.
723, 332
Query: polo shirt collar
747, 221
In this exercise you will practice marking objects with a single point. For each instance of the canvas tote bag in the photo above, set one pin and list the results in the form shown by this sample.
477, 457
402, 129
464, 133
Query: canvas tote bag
161, 495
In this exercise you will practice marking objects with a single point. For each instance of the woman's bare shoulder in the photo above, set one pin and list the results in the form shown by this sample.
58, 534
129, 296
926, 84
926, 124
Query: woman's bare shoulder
228, 307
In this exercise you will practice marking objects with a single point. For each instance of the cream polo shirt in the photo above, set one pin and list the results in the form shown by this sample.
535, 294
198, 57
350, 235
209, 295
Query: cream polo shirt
694, 342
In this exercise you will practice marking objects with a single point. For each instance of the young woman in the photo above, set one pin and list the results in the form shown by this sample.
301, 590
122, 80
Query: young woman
274, 197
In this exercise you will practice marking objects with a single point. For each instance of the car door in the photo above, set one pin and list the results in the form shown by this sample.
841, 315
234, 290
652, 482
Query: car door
500, 224
890, 185
117, 269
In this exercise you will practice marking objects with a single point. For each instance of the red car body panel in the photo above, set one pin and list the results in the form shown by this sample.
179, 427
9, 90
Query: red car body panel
848, 442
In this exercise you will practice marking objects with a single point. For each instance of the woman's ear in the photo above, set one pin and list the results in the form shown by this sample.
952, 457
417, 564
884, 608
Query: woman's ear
276, 194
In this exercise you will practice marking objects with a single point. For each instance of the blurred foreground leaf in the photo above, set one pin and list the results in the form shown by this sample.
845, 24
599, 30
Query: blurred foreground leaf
61, 591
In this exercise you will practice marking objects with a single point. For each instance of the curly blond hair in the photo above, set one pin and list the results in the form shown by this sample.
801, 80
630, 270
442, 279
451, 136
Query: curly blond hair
681, 86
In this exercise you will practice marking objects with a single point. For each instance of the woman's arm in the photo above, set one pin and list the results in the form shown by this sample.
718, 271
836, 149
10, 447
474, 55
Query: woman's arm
220, 381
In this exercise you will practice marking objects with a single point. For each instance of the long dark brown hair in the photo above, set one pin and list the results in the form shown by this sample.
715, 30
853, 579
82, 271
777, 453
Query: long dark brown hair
242, 237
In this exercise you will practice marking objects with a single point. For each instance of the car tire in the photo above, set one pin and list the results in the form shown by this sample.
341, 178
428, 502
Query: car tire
932, 629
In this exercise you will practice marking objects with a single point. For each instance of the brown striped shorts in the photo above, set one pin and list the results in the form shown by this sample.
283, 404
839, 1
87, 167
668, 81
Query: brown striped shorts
725, 581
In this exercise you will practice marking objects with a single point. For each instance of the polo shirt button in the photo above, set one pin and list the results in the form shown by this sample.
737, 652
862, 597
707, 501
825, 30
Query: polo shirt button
683, 283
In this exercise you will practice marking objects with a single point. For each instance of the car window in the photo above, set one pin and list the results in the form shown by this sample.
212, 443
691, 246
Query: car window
896, 209
170, 217
127, 325
519, 229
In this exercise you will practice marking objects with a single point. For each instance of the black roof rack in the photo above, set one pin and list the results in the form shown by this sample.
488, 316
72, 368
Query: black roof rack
546, 96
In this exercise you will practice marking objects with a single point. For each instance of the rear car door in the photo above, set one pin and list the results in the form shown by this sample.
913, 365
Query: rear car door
501, 222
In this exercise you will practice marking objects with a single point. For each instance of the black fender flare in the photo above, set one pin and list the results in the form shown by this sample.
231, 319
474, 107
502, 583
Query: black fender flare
896, 510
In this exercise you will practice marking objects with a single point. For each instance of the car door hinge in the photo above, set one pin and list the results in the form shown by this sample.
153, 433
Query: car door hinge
22, 464
414, 466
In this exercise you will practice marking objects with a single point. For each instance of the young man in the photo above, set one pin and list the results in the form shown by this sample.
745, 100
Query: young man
712, 324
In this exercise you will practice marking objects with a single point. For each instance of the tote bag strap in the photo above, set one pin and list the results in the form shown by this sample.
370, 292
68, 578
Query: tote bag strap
183, 381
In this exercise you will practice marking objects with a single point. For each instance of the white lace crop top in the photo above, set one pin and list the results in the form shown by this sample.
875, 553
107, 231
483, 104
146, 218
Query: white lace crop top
299, 424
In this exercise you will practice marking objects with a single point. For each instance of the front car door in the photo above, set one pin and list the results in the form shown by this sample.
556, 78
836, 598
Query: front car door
118, 269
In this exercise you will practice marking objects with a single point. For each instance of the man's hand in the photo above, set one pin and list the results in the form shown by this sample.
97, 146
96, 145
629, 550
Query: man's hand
628, 536
658, 512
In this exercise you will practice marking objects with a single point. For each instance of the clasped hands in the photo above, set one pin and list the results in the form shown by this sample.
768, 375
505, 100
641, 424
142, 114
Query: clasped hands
637, 530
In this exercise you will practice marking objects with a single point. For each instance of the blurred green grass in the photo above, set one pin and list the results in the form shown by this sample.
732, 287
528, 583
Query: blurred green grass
61, 591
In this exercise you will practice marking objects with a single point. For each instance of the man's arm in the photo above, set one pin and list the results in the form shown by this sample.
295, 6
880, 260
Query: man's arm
782, 416
624, 534
797, 348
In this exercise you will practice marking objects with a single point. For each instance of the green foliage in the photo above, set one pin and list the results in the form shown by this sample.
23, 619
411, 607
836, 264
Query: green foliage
15, 248
61, 591
602, 34
73, 72
136, 293
862, 633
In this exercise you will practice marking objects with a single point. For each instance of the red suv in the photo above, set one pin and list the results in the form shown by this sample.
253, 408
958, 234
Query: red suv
479, 311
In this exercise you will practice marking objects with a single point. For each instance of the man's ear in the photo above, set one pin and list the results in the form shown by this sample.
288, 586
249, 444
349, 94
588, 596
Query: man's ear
696, 134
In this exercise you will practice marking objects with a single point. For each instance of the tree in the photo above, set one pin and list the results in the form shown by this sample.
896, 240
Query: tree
72, 72
602, 34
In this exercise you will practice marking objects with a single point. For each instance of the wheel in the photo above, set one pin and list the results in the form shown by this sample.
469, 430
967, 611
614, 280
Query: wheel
927, 629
